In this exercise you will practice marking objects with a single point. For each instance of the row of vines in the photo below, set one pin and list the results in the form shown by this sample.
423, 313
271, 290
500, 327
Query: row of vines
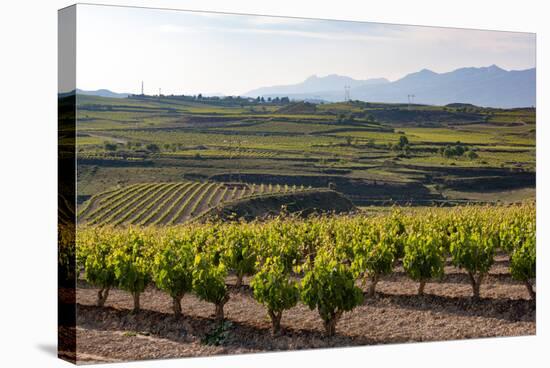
153, 203
316, 261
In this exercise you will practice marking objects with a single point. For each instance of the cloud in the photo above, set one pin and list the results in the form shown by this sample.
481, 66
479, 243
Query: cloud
494, 41
270, 20
285, 32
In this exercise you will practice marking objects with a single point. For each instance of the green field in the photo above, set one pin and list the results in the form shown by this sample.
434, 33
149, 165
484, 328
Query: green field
446, 155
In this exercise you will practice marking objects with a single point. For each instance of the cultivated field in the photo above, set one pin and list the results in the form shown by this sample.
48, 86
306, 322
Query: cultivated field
232, 225
374, 154
169, 203
290, 283
395, 315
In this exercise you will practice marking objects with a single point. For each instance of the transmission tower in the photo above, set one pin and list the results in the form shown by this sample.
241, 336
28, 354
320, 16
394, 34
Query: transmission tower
347, 95
410, 99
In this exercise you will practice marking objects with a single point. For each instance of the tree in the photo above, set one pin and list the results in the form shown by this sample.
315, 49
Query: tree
403, 141
448, 152
459, 150
330, 287
472, 155
152, 147
274, 289
110, 146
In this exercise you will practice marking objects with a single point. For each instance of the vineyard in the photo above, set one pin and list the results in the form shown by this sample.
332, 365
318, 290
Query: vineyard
232, 226
169, 203
328, 264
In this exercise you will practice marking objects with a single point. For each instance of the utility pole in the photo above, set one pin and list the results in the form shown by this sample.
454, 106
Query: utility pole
142, 88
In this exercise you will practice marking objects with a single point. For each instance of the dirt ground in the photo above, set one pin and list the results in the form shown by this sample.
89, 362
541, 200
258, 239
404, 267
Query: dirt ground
395, 315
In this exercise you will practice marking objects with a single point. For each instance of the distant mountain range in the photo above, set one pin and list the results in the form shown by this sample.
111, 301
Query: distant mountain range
316, 85
486, 86
102, 93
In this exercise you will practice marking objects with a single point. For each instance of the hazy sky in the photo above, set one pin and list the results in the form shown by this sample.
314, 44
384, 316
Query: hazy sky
191, 52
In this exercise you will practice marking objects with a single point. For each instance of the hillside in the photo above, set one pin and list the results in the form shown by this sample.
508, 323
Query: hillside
170, 203
303, 203
452, 154
298, 108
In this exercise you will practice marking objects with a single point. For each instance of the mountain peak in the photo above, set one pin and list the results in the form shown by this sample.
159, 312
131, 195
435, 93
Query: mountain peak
426, 71
494, 68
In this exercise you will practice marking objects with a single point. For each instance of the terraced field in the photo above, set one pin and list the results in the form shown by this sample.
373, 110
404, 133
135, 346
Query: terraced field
168, 203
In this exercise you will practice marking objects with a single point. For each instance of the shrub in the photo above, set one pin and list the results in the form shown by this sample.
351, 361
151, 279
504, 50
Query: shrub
279, 238
209, 282
238, 251
330, 287
423, 258
472, 247
131, 261
396, 233
373, 253
99, 270
523, 264
173, 268
274, 289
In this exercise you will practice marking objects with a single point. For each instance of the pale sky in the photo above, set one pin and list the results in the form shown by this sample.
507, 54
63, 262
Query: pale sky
191, 52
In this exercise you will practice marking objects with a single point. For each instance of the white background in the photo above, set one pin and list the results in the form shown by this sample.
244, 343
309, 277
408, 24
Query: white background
28, 101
